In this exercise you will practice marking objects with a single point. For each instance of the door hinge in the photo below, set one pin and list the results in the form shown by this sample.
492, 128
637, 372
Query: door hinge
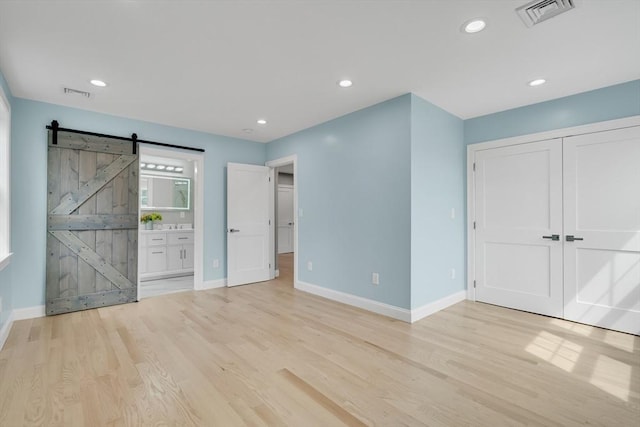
474, 283
269, 222
269, 179
474, 225
474, 166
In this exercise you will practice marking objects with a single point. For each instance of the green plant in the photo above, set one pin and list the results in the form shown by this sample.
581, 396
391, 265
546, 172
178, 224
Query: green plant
150, 217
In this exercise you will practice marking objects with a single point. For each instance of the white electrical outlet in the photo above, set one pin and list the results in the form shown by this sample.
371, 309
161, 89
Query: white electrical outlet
453, 213
453, 273
375, 278
216, 263
309, 266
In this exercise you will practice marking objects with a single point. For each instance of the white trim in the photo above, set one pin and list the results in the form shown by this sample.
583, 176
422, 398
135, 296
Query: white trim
522, 139
356, 301
198, 211
212, 284
274, 164
5, 182
5, 260
433, 307
28, 312
558, 133
4, 332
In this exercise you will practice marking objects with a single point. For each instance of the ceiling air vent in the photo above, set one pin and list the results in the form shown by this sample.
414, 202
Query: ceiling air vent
70, 91
540, 10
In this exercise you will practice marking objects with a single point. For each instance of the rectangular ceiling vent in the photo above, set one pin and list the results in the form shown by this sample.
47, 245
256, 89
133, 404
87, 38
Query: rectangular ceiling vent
540, 10
70, 91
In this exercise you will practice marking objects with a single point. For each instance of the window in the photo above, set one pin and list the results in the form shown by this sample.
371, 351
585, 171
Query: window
5, 209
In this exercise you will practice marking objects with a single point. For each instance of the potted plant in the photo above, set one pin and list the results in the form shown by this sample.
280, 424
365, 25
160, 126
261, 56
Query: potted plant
149, 219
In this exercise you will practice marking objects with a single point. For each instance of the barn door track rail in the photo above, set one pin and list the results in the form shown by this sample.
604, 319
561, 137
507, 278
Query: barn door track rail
55, 128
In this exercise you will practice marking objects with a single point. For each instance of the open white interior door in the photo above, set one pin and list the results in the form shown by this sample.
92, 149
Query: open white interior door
247, 224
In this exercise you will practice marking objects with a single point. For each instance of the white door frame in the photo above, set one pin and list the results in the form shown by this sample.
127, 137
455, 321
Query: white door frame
523, 139
273, 164
198, 213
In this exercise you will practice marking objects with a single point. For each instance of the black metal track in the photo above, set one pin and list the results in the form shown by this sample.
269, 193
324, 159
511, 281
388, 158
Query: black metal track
134, 138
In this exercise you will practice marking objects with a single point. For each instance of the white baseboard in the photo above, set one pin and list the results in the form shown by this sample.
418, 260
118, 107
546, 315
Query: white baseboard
6, 328
29, 312
211, 284
356, 301
433, 307
399, 313
20, 314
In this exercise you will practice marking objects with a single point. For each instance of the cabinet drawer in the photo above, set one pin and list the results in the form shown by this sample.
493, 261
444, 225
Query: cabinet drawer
156, 239
156, 259
180, 238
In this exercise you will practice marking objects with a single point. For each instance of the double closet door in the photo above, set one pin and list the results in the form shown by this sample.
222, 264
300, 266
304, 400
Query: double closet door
557, 228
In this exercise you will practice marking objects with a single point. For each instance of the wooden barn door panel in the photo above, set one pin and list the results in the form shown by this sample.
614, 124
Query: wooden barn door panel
92, 223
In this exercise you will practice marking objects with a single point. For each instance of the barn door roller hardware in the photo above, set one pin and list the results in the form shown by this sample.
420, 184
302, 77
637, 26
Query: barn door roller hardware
55, 127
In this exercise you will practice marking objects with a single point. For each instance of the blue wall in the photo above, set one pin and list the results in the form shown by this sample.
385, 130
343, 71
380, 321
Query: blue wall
354, 189
613, 102
29, 184
437, 185
6, 283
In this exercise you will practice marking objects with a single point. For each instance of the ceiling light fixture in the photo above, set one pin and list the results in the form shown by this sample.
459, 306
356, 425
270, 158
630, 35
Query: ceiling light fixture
537, 82
247, 130
474, 25
345, 83
98, 83
170, 168
143, 165
261, 122
178, 169
151, 166
160, 167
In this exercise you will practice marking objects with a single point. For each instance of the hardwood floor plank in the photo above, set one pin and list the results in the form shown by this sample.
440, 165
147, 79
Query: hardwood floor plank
269, 355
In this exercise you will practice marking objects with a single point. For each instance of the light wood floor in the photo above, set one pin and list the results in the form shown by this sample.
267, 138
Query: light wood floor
266, 354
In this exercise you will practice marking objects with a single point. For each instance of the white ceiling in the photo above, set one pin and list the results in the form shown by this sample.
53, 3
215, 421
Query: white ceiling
217, 66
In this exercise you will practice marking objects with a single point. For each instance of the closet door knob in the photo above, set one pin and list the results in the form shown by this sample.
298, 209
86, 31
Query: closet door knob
571, 238
552, 237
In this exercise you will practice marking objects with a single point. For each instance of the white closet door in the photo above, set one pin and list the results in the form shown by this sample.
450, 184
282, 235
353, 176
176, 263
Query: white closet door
518, 203
285, 219
602, 208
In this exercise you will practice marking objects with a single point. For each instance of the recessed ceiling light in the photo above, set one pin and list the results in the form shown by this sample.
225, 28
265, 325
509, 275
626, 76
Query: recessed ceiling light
98, 83
345, 83
247, 130
143, 165
261, 122
160, 167
170, 168
151, 166
474, 25
179, 169
537, 82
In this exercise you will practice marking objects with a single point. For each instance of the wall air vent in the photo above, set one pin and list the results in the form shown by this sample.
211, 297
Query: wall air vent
540, 10
70, 91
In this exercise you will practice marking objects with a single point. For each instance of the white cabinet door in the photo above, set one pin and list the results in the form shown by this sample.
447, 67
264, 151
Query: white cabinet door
518, 210
285, 219
174, 257
247, 224
187, 257
156, 259
602, 208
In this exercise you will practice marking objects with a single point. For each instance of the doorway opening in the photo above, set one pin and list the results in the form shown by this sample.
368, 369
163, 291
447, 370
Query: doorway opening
285, 215
170, 242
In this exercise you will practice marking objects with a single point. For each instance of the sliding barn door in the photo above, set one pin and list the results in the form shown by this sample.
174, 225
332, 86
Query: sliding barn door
92, 224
